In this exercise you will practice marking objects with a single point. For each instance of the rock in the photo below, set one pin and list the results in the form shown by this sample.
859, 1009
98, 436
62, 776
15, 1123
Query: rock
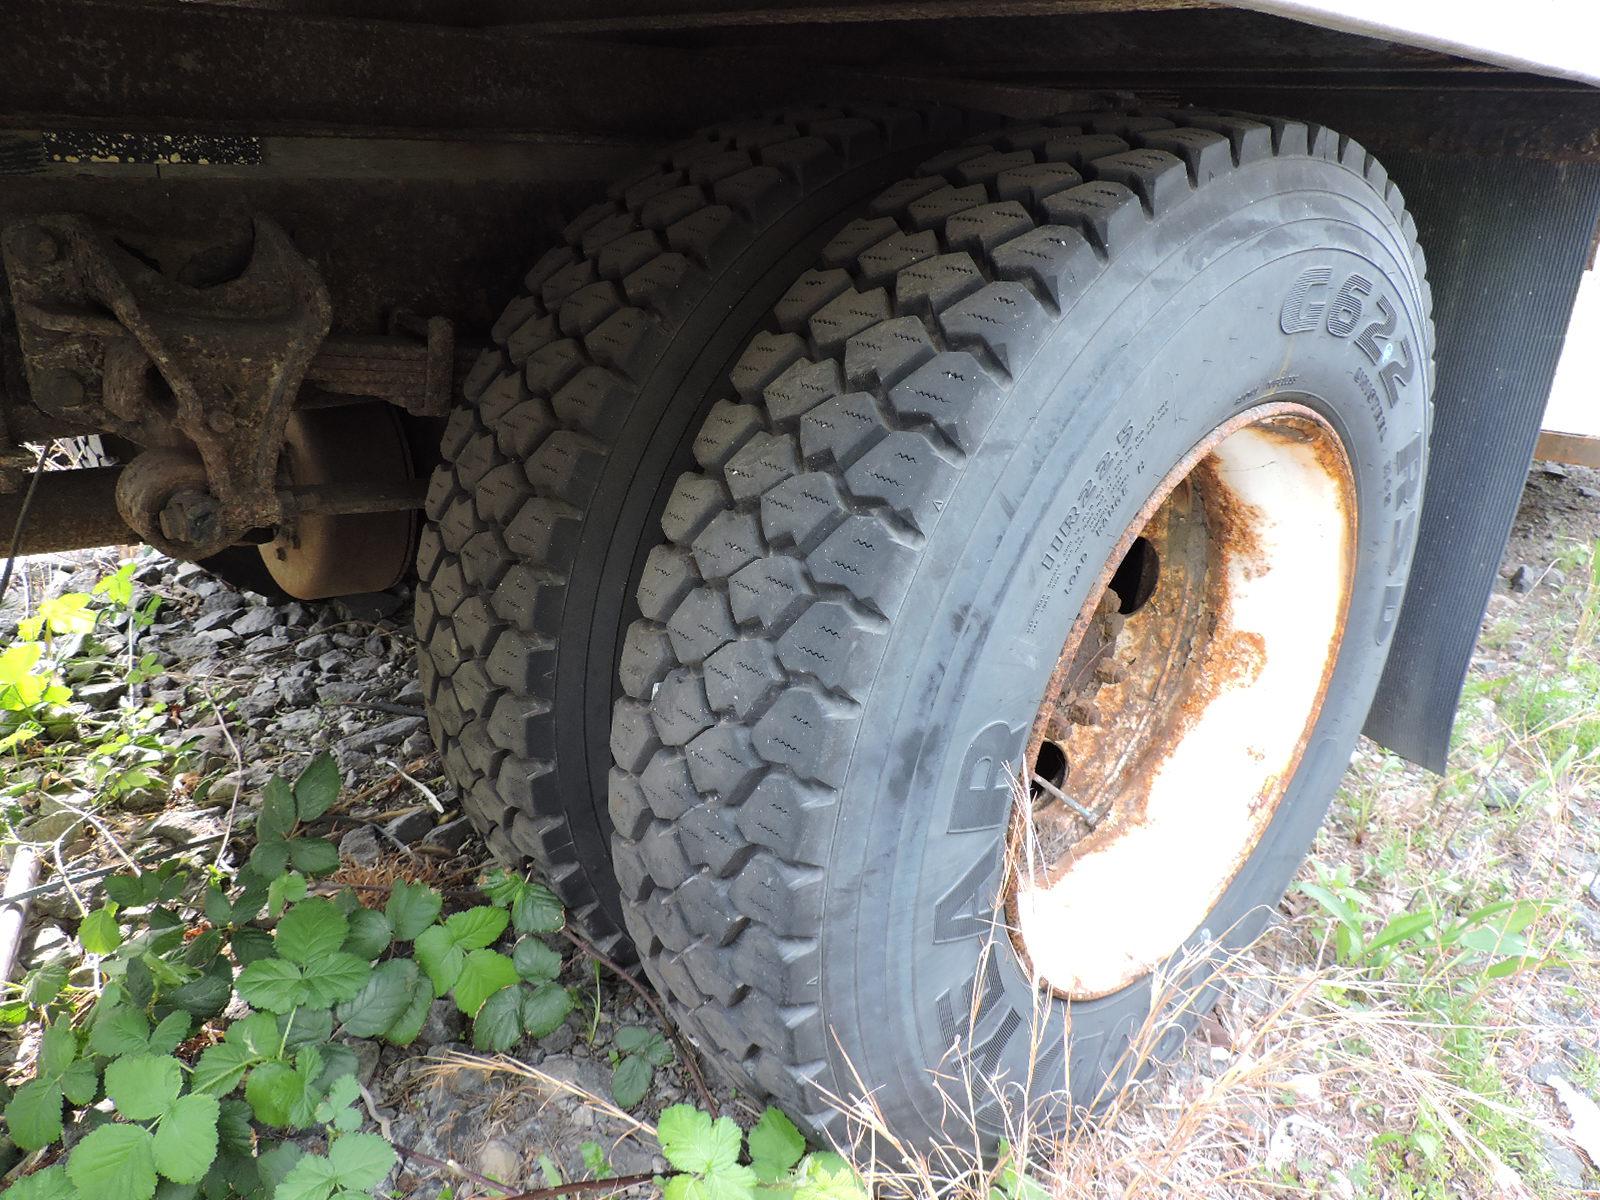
499, 1160
443, 1025
343, 689
255, 620
417, 745
1555, 579
292, 613
296, 689
559, 1041
187, 648
452, 835
1588, 493
314, 646
101, 696
182, 826
379, 735
367, 1053
207, 621
1521, 578
1501, 793
1563, 1162
1554, 470
411, 826
331, 661
410, 692
372, 606
50, 827
1594, 888
360, 846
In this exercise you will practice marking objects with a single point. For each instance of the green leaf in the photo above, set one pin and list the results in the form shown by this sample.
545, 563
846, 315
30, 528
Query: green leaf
775, 1146
207, 995
186, 1140
484, 973
80, 1082
170, 1033
369, 934
538, 911
827, 1176
269, 859
276, 1163
317, 788
498, 1025
440, 957
335, 977
57, 1048
114, 1162
49, 1184
311, 929
276, 820
409, 1024
314, 856
544, 1008
535, 961
220, 1068
251, 945
312, 1178
360, 1161
272, 984
34, 1115
143, 1085
260, 1033
477, 927
218, 910
44, 984
595, 1161
285, 889
382, 1000
692, 1141
412, 908
233, 1127
98, 933
503, 888
646, 1043
280, 1096
630, 1080
119, 1030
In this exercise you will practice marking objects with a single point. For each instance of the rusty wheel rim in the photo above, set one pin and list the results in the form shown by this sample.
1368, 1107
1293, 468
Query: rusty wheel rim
1182, 700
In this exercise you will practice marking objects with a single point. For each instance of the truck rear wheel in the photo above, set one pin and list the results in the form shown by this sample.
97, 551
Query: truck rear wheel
573, 428
1019, 658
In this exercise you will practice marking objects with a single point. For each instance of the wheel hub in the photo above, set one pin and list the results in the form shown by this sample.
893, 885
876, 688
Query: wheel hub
1182, 700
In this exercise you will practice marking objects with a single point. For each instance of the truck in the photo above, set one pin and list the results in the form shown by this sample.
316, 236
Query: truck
910, 505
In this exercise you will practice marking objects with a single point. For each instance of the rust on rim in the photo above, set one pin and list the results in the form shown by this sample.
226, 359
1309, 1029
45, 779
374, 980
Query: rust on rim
1182, 700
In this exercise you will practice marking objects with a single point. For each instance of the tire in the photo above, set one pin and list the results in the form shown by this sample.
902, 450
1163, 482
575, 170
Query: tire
573, 428
863, 594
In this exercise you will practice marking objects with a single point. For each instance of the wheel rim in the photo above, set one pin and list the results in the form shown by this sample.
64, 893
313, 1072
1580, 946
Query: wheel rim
1182, 700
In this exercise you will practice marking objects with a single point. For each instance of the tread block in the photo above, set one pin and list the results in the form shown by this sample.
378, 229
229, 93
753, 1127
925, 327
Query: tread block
760, 193
695, 500
789, 817
855, 239
784, 898
802, 386
979, 230
895, 198
551, 365
633, 735
523, 430
726, 427
987, 168
954, 392
841, 428
568, 466
835, 645
936, 208
551, 261
809, 733
666, 208
588, 306
844, 316
679, 707
1078, 150
668, 577
763, 462
629, 810
798, 510
1205, 153
770, 592
489, 364
524, 664
475, 460
500, 493
807, 294
626, 254
1058, 259
946, 161
703, 902
708, 236
878, 264
729, 542
527, 337
886, 353
562, 282
741, 675
1157, 177
523, 725
906, 473
1250, 140
866, 559
724, 761
485, 558
664, 854
667, 786
1004, 317
931, 285
622, 341
645, 659
665, 285
596, 400
809, 161
1029, 185
701, 624
544, 530
530, 599
1107, 213
766, 357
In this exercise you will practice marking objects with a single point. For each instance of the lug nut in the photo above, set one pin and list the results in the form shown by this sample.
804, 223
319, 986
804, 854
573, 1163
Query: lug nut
58, 389
189, 517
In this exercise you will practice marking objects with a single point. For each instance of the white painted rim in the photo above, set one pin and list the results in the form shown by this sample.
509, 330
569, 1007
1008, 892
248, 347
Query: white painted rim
1188, 799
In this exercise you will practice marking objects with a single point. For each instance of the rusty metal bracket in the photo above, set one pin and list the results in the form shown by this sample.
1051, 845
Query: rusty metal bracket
206, 373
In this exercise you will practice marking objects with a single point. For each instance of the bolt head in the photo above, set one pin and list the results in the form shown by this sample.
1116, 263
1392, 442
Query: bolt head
189, 517
222, 422
59, 389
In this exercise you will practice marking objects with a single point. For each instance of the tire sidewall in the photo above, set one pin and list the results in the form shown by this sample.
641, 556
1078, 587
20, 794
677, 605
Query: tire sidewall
1183, 329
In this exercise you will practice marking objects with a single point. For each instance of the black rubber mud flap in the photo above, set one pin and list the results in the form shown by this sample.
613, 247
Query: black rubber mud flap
1507, 241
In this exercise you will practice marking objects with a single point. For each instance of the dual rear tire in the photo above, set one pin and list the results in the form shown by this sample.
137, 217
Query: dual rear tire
1044, 546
